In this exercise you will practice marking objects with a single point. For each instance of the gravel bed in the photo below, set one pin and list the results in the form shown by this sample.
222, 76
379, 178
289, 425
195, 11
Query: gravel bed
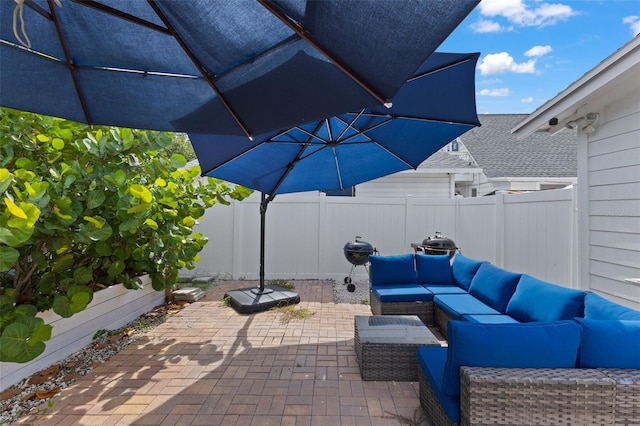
341, 294
32, 392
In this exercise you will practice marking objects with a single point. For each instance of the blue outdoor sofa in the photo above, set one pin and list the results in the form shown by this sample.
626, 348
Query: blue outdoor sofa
520, 350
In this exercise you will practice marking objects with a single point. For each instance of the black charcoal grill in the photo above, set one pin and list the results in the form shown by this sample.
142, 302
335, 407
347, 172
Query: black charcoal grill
357, 253
438, 244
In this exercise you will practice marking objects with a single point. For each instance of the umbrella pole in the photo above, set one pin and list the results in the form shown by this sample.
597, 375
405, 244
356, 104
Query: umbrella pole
263, 214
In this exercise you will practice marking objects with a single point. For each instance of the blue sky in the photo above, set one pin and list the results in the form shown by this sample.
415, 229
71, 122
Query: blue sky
531, 50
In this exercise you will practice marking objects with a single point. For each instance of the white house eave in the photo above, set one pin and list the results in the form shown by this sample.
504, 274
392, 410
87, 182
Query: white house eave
543, 179
565, 106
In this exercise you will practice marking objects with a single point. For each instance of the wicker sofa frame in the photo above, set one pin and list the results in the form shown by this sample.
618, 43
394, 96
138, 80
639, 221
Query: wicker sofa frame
423, 309
540, 396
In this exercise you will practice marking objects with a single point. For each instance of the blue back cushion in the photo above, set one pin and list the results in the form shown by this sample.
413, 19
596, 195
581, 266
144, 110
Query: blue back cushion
494, 286
599, 308
536, 300
398, 269
434, 269
610, 344
528, 345
463, 269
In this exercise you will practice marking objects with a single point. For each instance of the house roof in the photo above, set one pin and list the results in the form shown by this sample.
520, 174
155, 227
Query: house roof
501, 154
448, 163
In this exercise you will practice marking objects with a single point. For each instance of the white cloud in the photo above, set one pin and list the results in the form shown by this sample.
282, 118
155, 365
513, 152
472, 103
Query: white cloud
519, 12
484, 26
500, 63
495, 92
526, 100
538, 51
634, 24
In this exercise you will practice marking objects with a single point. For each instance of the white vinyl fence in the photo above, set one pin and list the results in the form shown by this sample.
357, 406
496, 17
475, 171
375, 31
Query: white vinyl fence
532, 233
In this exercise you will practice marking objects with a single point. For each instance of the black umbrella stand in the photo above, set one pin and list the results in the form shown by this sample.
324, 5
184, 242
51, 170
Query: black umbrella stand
262, 298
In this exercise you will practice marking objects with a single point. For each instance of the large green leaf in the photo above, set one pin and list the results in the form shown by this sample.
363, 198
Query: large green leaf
14, 237
16, 343
62, 264
95, 199
8, 257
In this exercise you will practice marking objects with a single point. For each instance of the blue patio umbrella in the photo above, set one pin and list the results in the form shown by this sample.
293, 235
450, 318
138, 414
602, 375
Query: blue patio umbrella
436, 105
233, 67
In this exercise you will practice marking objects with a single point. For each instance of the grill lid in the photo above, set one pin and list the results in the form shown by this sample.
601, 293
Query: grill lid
439, 242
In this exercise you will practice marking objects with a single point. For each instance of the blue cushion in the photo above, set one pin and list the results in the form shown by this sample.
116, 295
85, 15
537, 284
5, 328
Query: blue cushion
610, 344
536, 300
445, 289
489, 319
402, 293
597, 307
392, 269
431, 361
456, 305
529, 345
434, 269
494, 286
463, 269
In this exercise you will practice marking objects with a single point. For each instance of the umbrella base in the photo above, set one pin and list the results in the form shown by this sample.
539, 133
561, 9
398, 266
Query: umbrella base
251, 300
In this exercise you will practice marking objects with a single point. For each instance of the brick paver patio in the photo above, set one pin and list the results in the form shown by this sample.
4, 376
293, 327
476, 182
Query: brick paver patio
209, 365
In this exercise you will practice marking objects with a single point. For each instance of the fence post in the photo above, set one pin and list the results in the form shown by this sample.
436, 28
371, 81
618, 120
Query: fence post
322, 237
500, 230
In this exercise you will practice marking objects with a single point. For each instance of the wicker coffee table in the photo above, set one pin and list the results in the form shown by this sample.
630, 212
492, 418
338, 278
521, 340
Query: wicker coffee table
386, 346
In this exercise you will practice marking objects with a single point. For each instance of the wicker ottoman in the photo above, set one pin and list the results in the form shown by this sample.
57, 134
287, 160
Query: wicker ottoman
386, 346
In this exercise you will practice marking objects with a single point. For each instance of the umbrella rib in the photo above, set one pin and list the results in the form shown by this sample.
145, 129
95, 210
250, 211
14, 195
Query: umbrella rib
37, 8
433, 71
122, 15
290, 167
297, 28
70, 66
433, 120
206, 74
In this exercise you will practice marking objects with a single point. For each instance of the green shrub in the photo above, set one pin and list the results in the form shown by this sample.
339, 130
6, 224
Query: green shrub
84, 208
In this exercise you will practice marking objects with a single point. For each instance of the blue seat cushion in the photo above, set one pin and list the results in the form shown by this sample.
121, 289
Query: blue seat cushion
536, 300
463, 269
610, 343
494, 286
434, 269
402, 293
445, 289
599, 308
392, 269
489, 319
456, 305
525, 345
431, 361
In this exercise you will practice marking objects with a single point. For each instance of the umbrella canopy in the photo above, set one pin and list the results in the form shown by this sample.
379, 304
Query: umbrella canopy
436, 105
233, 67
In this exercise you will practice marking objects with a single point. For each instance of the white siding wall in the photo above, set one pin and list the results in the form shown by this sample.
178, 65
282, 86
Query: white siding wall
611, 158
531, 233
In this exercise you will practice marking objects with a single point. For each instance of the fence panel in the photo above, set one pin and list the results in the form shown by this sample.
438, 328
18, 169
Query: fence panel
305, 234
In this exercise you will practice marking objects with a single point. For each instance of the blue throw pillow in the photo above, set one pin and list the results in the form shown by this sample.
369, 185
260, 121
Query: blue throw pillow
599, 308
610, 344
463, 269
494, 286
434, 269
398, 269
536, 300
527, 345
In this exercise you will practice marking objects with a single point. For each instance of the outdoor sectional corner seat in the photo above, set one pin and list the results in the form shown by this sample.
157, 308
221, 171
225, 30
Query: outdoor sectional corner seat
521, 351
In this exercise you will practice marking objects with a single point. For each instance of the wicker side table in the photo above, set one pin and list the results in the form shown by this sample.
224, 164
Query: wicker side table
386, 346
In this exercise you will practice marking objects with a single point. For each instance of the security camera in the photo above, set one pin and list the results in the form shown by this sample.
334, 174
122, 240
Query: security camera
572, 125
553, 121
